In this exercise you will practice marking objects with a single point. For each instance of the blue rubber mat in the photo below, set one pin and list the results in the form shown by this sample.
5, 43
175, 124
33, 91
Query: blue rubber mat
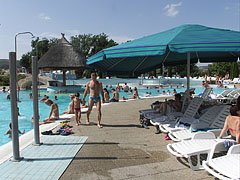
44, 162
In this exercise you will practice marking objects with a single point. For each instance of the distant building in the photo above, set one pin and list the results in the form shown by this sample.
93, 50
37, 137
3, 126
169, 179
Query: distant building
203, 68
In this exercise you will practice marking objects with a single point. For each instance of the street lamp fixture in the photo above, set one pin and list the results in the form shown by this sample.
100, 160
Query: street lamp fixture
16, 50
16, 39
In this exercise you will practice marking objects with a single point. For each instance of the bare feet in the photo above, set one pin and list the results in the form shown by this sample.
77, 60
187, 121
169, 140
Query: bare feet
99, 126
87, 122
78, 123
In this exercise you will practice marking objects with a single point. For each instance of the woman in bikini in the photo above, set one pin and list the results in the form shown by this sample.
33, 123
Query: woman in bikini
54, 113
232, 124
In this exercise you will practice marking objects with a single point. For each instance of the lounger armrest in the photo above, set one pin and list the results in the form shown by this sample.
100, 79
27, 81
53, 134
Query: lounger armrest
204, 135
235, 149
173, 151
218, 146
216, 132
175, 130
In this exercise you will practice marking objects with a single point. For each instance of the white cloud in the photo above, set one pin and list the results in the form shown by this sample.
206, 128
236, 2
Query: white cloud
44, 16
171, 9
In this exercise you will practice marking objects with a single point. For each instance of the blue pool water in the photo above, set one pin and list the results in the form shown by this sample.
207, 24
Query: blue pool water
26, 104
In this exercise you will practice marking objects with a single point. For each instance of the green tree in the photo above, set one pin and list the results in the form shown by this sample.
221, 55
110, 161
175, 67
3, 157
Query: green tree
88, 45
182, 70
219, 68
234, 70
26, 61
169, 71
42, 47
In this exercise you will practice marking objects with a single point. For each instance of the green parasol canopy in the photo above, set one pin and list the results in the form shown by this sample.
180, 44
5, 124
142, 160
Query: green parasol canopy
169, 48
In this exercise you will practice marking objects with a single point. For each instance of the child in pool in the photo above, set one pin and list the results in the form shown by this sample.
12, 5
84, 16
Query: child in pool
10, 131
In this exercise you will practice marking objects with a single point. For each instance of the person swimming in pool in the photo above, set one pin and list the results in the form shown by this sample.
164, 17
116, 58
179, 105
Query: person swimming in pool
9, 132
94, 87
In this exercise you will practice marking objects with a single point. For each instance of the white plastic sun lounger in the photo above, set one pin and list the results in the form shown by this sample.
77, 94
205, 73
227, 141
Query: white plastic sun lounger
214, 119
207, 91
151, 113
224, 94
224, 167
188, 115
201, 143
234, 94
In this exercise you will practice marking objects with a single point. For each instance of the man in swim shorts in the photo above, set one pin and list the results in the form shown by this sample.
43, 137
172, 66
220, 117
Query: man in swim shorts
94, 87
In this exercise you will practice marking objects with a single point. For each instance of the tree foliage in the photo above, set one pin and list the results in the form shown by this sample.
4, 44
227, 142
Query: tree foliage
219, 68
26, 61
88, 45
234, 70
182, 70
39, 47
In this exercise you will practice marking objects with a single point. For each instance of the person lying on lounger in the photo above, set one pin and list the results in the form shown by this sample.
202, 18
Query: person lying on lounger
171, 105
232, 124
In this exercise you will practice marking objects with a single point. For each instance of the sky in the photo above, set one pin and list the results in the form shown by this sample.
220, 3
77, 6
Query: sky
121, 20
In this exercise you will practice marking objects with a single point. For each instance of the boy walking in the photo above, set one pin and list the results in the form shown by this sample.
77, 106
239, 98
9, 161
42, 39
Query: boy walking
77, 108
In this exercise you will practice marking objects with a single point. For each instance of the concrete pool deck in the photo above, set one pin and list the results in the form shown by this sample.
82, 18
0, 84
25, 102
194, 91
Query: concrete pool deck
123, 150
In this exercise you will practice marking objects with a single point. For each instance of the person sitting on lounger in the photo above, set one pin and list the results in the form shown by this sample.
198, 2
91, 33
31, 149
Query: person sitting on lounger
54, 113
171, 105
232, 124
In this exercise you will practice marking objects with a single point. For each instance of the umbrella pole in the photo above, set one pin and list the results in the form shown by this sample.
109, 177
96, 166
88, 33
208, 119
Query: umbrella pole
188, 73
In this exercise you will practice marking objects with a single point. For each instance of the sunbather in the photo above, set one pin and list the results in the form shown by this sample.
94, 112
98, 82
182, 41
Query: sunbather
171, 105
232, 124
54, 113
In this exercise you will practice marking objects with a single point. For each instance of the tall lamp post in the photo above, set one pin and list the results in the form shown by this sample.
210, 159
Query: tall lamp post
16, 52
13, 95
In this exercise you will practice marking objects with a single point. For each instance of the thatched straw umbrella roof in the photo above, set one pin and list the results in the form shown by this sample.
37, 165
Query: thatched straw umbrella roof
62, 56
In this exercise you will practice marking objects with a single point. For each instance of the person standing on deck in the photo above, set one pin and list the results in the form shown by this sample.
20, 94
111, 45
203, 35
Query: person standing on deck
94, 87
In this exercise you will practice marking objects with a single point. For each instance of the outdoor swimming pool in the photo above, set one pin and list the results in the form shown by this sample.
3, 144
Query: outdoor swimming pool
26, 104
